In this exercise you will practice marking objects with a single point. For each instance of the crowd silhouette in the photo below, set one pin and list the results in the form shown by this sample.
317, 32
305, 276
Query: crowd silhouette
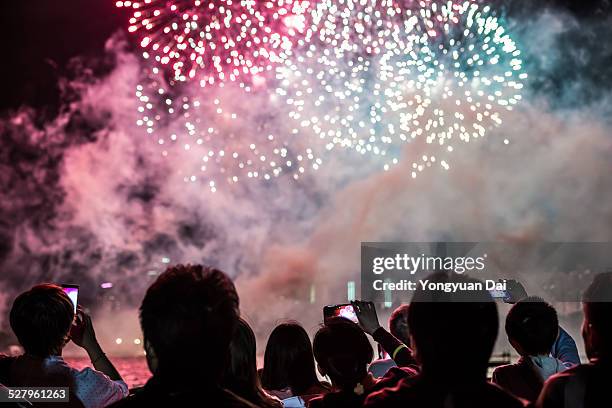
202, 353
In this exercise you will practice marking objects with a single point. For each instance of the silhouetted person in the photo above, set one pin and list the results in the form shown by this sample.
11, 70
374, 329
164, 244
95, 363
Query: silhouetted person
564, 348
188, 317
43, 320
343, 353
289, 369
587, 385
452, 335
241, 375
532, 327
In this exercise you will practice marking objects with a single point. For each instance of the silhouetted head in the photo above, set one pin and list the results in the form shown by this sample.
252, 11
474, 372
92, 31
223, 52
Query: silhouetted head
532, 326
398, 324
597, 307
453, 329
288, 360
343, 352
241, 376
188, 317
41, 319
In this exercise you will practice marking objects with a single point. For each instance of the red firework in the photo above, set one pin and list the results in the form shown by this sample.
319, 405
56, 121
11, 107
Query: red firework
216, 39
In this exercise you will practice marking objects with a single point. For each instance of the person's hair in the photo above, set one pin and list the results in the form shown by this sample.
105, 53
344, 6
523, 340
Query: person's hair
288, 360
342, 349
597, 301
456, 327
188, 317
398, 324
533, 325
41, 319
241, 376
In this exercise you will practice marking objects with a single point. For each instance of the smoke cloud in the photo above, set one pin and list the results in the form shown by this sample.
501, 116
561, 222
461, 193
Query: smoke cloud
87, 197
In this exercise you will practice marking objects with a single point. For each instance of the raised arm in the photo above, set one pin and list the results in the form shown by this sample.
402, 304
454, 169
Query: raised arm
368, 320
83, 335
565, 349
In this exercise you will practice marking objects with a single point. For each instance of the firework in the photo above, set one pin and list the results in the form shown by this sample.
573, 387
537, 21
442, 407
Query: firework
356, 27
214, 140
445, 73
222, 40
461, 70
366, 75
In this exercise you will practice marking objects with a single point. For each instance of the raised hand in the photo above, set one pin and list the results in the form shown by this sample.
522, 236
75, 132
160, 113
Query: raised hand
82, 332
366, 313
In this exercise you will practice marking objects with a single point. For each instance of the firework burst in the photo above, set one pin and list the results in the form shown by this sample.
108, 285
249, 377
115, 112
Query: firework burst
353, 27
445, 73
214, 139
366, 75
216, 41
458, 65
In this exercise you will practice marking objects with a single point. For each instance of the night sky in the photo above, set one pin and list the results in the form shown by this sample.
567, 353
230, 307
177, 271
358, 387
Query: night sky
39, 39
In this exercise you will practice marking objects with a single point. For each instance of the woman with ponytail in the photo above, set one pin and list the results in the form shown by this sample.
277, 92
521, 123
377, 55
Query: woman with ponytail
343, 353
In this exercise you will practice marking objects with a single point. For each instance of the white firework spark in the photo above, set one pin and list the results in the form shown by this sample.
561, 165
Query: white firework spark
215, 40
368, 75
218, 140
446, 74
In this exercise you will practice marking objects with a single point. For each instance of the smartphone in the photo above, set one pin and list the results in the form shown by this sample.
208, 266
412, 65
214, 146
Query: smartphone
344, 310
498, 294
73, 293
